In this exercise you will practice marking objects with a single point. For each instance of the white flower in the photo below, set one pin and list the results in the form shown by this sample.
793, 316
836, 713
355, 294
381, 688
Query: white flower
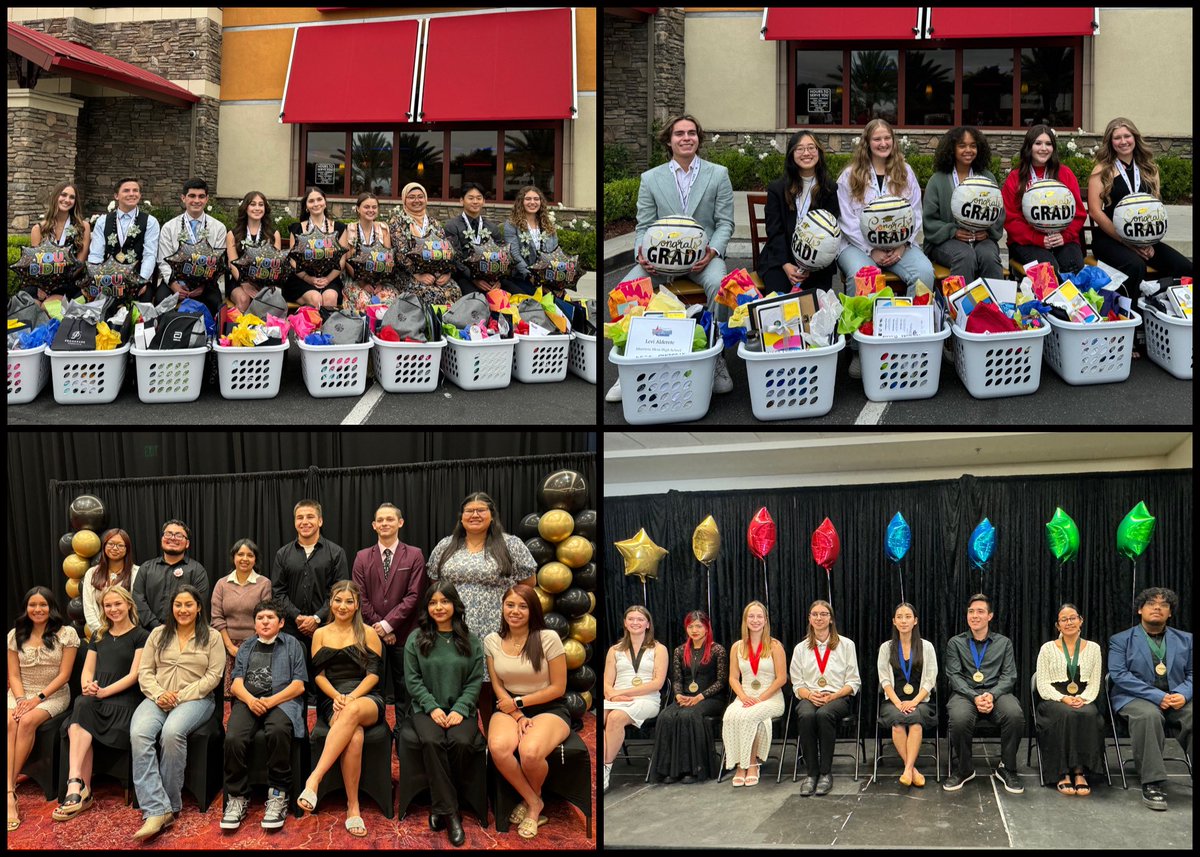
854, 142
763, 155
1092, 150
562, 205
112, 205
716, 137
586, 225
748, 140
774, 145
147, 203
741, 151
1080, 130
209, 208
1071, 145
92, 219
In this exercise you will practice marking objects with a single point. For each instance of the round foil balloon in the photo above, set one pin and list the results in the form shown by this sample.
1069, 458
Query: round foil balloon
977, 204
198, 264
545, 598
86, 543
673, 244
64, 544
1062, 536
572, 602
575, 705
87, 513
706, 541
542, 550
887, 222
1134, 532
112, 279
48, 266
1140, 219
982, 543
432, 255
585, 523
527, 527
75, 609
574, 551
826, 545
582, 679
1048, 206
373, 263
489, 260
760, 535
263, 265
583, 629
563, 489
641, 556
73, 588
899, 538
815, 240
317, 253
75, 566
554, 577
586, 576
555, 525
557, 623
574, 652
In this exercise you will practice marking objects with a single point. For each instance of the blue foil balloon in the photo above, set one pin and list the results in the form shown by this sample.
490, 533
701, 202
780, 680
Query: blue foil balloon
899, 538
982, 543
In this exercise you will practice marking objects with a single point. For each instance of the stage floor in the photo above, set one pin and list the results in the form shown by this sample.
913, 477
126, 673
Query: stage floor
887, 815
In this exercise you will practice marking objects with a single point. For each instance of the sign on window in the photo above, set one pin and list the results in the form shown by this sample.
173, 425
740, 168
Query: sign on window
325, 173
819, 99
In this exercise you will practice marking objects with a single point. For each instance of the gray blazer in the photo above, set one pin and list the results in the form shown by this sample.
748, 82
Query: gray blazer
521, 263
710, 203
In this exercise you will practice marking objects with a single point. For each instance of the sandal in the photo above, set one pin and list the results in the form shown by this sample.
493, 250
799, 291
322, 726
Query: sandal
1065, 786
739, 780
13, 823
73, 804
518, 814
307, 801
753, 780
355, 825
1081, 786
529, 826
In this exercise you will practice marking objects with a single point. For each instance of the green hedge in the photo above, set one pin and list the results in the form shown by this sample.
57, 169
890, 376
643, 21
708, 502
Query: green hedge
620, 199
581, 242
618, 163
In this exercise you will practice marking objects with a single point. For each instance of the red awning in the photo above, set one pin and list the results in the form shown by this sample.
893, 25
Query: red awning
840, 23
1000, 23
382, 87
499, 66
73, 60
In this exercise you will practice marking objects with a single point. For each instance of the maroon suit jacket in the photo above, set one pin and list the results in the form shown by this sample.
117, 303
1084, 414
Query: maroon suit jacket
395, 603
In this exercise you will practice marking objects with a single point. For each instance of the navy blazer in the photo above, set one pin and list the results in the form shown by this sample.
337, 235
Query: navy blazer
1132, 667
395, 603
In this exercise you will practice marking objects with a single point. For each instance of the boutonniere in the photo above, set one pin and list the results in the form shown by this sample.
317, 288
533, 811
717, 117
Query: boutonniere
71, 231
133, 232
112, 240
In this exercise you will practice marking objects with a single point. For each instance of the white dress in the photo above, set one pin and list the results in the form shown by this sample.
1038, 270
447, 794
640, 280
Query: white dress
747, 731
641, 708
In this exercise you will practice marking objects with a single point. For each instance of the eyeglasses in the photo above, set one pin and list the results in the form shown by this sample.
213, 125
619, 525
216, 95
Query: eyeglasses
475, 513
174, 536
820, 615
806, 150
1070, 620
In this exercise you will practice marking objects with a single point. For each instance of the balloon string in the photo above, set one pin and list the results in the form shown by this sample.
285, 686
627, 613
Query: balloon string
900, 571
829, 584
645, 599
766, 585
708, 582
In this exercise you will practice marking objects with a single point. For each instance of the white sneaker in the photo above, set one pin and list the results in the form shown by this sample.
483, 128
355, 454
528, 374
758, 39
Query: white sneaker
722, 383
855, 367
607, 771
614, 392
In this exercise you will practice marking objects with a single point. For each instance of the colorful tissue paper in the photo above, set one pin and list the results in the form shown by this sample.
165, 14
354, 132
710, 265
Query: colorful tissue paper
857, 310
1088, 277
107, 339
627, 295
498, 300
989, 318
666, 302
868, 281
1043, 278
735, 284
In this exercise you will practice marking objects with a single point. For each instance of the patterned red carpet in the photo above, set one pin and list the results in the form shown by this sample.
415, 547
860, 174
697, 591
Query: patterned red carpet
110, 825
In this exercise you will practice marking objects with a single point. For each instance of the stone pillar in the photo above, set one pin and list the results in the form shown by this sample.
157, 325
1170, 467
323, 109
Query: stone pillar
668, 85
42, 145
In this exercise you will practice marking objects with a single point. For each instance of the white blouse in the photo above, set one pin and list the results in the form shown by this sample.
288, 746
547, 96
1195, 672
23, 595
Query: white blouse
1052, 667
929, 669
840, 670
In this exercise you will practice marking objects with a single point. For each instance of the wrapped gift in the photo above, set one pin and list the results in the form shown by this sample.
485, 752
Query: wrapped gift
867, 281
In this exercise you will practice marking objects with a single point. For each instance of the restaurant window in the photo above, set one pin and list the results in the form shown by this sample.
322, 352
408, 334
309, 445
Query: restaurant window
529, 160
1048, 87
987, 88
872, 86
326, 163
371, 163
421, 160
473, 159
819, 90
929, 87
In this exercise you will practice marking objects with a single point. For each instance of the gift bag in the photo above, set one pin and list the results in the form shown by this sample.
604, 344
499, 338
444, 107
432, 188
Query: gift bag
176, 329
24, 309
345, 328
76, 333
468, 310
269, 301
407, 317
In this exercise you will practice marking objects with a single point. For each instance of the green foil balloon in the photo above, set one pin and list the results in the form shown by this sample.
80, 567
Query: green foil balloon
1135, 531
1062, 536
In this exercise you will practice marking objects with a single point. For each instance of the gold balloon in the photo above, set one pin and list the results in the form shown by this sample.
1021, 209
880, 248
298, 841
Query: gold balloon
575, 552
592, 598
575, 653
641, 554
86, 543
554, 577
546, 598
87, 633
587, 700
706, 541
583, 629
555, 525
72, 588
75, 567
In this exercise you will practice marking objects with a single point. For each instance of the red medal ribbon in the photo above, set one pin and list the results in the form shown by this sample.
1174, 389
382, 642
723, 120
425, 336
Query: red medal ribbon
754, 656
822, 661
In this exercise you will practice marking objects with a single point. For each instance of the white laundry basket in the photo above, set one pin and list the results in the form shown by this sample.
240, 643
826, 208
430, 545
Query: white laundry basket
787, 385
250, 372
539, 359
582, 360
1168, 341
484, 364
666, 389
334, 370
169, 374
897, 368
28, 369
1096, 353
992, 365
407, 367
88, 377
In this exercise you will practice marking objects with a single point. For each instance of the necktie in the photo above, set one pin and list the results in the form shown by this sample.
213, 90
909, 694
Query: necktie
387, 563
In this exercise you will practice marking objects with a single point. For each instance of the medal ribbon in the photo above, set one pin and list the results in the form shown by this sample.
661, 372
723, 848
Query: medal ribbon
954, 174
1033, 177
1160, 652
822, 661
1072, 662
804, 200
906, 665
695, 653
637, 660
1137, 176
754, 656
978, 656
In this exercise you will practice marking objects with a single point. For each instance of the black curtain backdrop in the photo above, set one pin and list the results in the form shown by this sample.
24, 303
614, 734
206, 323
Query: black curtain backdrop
1022, 578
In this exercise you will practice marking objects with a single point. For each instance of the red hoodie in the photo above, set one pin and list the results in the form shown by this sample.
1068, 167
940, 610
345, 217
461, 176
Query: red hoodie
1019, 230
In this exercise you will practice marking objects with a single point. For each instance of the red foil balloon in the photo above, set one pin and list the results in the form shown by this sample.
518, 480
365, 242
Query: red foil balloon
761, 535
826, 545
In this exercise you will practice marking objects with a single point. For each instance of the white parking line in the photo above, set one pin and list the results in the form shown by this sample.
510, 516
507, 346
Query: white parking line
871, 414
359, 413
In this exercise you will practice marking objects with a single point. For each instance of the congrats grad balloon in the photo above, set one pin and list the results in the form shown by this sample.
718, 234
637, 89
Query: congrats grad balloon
815, 241
1048, 206
887, 222
1140, 219
673, 244
977, 204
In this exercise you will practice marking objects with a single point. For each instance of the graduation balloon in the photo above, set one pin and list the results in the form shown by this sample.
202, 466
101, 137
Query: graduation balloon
489, 260
110, 278
977, 204
815, 240
433, 255
1134, 532
198, 264
1062, 536
317, 253
263, 265
1048, 206
48, 266
641, 556
899, 538
982, 543
373, 263
1140, 219
555, 270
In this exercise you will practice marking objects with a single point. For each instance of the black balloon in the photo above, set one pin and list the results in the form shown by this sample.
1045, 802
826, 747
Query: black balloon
575, 705
585, 577
75, 609
433, 255
527, 528
542, 550
555, 271
564, 489
490, 260
587, 652
111, 278
557, 623
64, 544
87, 513
585, 524
572, 603
263, 265
373, 264
48, 266
581, 680
317, 253
197, 265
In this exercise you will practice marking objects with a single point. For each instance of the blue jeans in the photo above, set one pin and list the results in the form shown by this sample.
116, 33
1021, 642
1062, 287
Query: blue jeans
912, 266
158, 784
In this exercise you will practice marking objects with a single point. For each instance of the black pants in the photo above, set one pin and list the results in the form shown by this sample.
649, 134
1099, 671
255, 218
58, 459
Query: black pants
395, 668
818, 728
239, 735
1166, 261
775, 280
963, 715
449, 756
1068, 257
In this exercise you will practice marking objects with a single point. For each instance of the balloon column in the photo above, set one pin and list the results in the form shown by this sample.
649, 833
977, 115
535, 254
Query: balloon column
760, 535
561, 539
897, 543
78, 548
825, 549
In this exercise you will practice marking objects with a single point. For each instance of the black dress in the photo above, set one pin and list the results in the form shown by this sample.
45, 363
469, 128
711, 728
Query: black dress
345, 669
1167, 261
684, 741
108, 719
923, 715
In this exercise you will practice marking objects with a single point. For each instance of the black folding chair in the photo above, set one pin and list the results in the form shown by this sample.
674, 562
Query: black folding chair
1036, 698
856, 717
925, 738
645, 732
1120, 725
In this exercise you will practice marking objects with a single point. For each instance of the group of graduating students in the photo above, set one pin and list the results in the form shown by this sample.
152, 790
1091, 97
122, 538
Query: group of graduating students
131, 235
1150, 666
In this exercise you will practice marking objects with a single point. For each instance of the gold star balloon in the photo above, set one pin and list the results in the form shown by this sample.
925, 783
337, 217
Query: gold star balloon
642, 555
706, 541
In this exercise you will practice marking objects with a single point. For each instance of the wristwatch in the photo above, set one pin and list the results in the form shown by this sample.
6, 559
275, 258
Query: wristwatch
519, 702
41, 696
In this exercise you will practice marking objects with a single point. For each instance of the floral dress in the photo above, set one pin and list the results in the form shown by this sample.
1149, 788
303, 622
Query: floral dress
40, 666
358, 297
403, 242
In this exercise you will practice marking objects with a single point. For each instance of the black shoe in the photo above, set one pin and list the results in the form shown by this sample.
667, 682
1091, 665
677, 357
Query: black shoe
436, 822
1012, 783
1154, 796
824, 784
687, 779
454, 829
957, 781
806, 786
668, 780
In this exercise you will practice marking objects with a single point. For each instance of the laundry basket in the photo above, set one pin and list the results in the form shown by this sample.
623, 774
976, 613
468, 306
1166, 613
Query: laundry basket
539, 359
992, 365
28, 369
666, 389
334, 370
1096, 353
1168, 341
88, 377
788, 385
897, 368
484, 364
582, 360
407, 367
250, 373
170, 374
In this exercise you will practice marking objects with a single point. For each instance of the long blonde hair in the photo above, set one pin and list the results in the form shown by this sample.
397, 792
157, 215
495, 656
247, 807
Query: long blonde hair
811, 639
626, 642
105, 625
767, 640
1106, 160
861, 171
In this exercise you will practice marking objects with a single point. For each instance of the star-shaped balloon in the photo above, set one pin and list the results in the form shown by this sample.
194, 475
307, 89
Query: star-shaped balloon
49, 266
982, 544
110, 278
373, 263
1062, 536
760, 535
826, 545
1134, 532
432, 255
197, 265
263, 265
706, 541
489, 260
641, 555
317, 253
555, 270
899, 538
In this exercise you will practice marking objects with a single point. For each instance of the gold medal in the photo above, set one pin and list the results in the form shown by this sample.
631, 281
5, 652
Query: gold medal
637, 681
1161, 669
978, 676
821, 682
1072, 688
693, 687
120, 257
755, 685
908, 688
